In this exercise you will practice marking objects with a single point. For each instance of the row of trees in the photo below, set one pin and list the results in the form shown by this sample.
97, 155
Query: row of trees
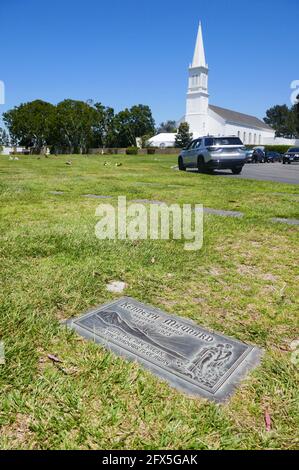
168, 126
74, 126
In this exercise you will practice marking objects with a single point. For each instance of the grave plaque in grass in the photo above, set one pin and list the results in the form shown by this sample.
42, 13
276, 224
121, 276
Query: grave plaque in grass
191, 358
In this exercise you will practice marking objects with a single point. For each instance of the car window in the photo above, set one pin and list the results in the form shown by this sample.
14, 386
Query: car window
198, 144
194, 144
209, 142
223, 141
228, 141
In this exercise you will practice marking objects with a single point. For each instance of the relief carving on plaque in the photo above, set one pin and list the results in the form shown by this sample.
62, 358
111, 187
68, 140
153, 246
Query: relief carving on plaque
207, 365
189, 356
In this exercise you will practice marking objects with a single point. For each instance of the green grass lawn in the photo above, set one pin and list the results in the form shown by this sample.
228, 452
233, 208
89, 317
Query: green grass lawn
243, 283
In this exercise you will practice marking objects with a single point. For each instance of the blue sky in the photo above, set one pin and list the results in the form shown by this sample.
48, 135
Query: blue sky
129, 52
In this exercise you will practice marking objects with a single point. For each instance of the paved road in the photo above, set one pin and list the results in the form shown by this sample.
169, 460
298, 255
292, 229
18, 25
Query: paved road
268, 172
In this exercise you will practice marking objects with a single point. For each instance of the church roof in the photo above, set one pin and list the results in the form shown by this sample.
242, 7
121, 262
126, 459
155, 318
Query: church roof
239, 118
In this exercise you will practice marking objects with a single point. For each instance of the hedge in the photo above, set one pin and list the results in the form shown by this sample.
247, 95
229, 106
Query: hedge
272, 148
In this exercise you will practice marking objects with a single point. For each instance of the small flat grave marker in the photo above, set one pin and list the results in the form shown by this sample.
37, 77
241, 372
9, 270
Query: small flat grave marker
146, 201
222, 212
191, 358
160, 185
57, 193
286, 221
96, 196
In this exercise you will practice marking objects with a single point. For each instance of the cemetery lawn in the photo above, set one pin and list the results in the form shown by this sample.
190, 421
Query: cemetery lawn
243, 283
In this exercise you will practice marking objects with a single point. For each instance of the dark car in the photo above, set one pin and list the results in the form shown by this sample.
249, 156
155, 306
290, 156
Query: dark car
258, 156
249, 155
292, 155
272, 157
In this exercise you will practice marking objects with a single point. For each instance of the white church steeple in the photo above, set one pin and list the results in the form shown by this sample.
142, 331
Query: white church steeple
197, 95
199, 59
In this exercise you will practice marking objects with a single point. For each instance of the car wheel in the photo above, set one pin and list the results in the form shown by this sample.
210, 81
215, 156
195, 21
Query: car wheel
236, 171
283, 162
289, 163
181, 164
200, 164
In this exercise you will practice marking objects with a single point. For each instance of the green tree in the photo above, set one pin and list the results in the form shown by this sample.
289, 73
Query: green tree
168, 126
295, 113
132, 123
75, 121
103, 128
183, 137
281, 119
4, 137
31, 124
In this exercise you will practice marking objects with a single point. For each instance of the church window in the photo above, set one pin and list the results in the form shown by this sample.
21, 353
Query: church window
244, 138
250, 137
260, 139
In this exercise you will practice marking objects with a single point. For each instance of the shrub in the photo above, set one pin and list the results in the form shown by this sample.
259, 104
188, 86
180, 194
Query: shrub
278, 148
132, 151
151, 150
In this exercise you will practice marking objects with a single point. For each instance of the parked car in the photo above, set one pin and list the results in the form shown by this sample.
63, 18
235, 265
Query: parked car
272, 157
292, 155
249, 155
209, 153
258, 156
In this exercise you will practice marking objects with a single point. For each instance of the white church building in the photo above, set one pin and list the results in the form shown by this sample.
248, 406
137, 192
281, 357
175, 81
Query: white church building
206, 119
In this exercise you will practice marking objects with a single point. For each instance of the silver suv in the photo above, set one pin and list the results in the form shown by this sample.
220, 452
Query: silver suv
209, 153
